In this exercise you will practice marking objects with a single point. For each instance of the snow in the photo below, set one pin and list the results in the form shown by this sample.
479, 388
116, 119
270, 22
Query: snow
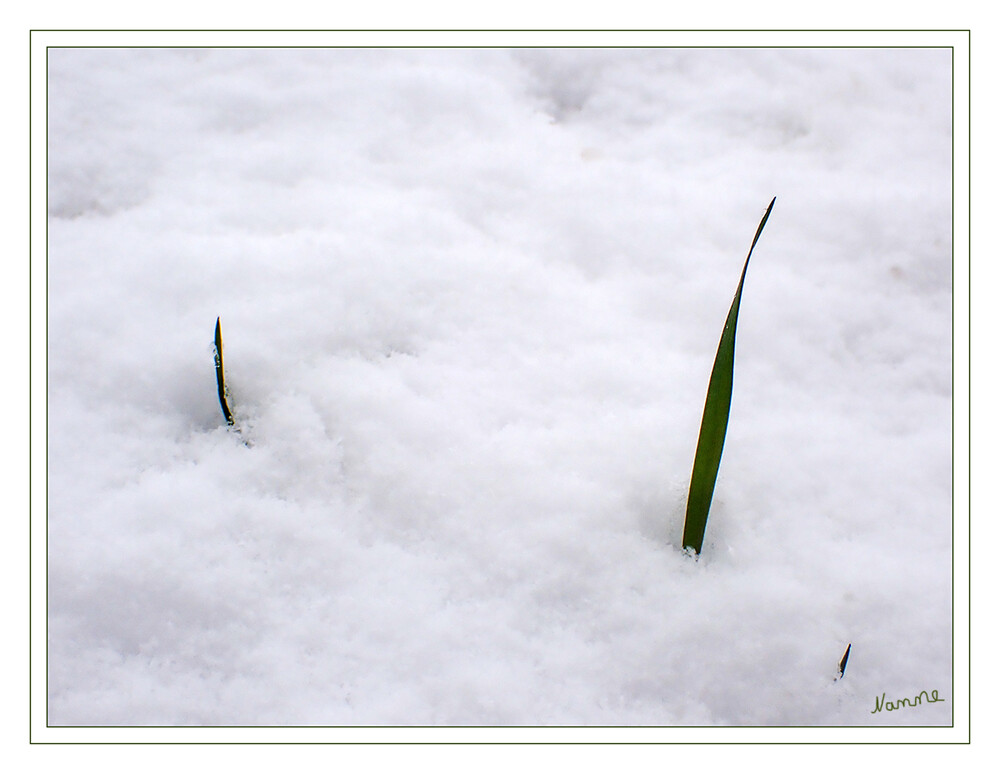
470, 300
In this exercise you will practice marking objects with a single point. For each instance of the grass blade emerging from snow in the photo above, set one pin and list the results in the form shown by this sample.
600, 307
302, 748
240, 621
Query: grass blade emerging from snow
843, 661
715, 420
220, 376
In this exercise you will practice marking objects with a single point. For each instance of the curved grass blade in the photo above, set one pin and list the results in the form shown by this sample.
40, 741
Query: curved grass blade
220, 376
715, 419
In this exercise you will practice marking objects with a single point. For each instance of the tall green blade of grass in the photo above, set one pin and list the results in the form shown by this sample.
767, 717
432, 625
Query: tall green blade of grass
715, 419
220, 376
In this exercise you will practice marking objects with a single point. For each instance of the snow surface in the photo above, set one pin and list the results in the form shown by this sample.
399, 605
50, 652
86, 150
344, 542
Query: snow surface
470, 301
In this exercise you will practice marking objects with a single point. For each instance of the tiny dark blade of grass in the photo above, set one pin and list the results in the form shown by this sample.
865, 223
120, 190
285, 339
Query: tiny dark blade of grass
220, 376
715, 419
843, 661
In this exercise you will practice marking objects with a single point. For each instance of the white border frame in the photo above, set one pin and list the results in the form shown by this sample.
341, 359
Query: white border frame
959, 40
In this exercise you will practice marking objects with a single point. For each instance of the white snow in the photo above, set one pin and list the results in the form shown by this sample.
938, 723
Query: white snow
470, 300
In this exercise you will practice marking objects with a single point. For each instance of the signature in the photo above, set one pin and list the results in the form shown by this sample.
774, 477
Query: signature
890, 705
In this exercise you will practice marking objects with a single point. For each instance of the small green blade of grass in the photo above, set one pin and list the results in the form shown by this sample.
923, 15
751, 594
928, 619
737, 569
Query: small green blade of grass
715, 420
220, 375
843, 661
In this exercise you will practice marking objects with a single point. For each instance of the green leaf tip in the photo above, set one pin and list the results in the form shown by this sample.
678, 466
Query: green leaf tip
220, 376
843, 661
715, 419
